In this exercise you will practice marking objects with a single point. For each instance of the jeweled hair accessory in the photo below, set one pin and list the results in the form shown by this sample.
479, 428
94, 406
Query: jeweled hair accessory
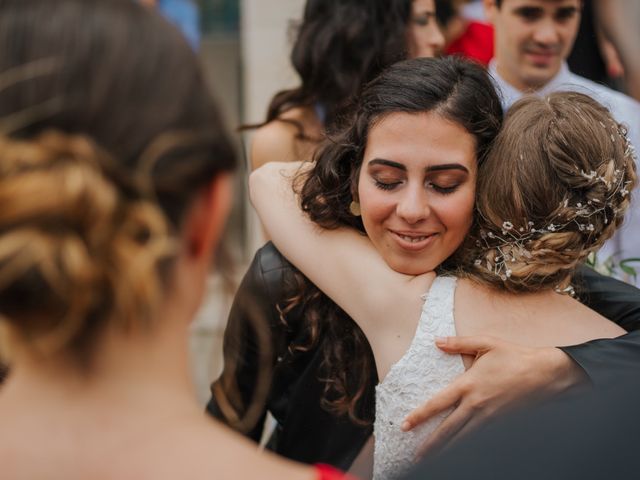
507, 244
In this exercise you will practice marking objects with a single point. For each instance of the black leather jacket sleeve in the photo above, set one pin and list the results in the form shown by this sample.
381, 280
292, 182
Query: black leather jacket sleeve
304, 432
608, 361
255, 302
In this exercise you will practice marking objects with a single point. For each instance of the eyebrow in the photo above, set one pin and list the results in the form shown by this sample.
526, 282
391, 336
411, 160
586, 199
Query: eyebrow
432, 168
567, 10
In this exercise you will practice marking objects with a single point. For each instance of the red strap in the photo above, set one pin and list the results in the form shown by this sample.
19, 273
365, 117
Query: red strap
327, 472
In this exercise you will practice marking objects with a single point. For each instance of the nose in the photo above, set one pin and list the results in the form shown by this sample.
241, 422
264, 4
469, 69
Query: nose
435, 39
413, 206
546, 32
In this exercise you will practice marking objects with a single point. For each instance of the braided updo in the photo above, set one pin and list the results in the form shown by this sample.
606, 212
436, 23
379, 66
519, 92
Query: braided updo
107, 133
555, 186
72, 248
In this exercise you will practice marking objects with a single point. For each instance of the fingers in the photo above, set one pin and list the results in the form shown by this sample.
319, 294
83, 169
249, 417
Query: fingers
467, 345
447, 430
446, 398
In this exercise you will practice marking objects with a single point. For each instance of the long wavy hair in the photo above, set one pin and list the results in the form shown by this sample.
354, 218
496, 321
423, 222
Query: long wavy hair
340, 46
459, 91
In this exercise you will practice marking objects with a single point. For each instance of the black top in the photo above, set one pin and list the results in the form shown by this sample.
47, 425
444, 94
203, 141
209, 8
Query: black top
307, 433
590, 435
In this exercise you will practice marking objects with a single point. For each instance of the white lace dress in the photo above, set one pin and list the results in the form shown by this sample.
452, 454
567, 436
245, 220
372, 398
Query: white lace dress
423, 371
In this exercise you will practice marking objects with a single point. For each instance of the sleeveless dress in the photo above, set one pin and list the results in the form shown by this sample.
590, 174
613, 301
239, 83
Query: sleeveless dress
422, 372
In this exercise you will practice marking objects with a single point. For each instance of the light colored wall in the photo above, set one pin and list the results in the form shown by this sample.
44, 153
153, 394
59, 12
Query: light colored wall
265, 40
244, 72
265, 35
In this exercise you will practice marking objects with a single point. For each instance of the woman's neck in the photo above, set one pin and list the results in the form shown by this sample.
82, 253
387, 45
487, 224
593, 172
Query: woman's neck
131, 371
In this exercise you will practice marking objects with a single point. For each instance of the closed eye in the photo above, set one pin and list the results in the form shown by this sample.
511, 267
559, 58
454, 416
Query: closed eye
444, 190
386, 185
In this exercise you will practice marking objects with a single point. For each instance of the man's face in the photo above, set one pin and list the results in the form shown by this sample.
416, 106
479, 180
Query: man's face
533, 37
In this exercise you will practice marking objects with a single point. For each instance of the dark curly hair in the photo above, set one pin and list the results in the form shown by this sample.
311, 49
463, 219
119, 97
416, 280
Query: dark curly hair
456, 89
340, 46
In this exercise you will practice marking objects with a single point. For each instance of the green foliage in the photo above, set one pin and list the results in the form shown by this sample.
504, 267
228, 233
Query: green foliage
610, 267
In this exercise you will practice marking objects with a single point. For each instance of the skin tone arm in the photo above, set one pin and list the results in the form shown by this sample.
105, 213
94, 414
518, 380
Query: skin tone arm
619, 20
339, 262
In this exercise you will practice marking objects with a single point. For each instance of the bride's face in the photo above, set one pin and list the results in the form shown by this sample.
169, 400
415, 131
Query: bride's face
417, 189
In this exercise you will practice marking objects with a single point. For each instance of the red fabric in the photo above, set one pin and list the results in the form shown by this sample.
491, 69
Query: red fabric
476, 43
327, 472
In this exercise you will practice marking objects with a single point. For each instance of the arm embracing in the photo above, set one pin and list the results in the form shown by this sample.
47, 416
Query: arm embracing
251, 341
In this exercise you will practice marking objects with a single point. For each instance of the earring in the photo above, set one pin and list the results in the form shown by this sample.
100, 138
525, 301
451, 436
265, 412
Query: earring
354, 208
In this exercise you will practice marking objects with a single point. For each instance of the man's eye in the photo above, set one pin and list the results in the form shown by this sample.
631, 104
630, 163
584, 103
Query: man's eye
565, 14
529, 14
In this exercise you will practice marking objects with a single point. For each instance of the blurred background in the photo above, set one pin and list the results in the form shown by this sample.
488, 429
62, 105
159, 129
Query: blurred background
244, 46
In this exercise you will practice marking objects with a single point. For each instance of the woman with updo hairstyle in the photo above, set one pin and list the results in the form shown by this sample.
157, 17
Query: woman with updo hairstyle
407, 172
542, 208
115, 184
340, 45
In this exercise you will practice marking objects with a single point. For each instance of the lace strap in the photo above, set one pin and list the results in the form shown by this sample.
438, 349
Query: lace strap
437, 311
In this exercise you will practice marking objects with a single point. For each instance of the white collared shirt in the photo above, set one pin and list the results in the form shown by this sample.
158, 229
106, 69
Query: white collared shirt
626, 242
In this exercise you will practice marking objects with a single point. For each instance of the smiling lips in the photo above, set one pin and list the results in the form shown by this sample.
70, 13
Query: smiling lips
413, 241
542, 56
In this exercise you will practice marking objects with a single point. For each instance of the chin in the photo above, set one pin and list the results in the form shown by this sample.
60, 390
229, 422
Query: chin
540, 76
412, 267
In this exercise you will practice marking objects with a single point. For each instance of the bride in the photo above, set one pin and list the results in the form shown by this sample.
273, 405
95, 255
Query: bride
409, 170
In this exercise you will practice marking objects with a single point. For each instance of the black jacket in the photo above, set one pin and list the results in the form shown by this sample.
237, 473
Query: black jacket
307, 433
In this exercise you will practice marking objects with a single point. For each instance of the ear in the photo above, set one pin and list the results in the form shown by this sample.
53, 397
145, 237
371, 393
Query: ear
490, 10
207, 216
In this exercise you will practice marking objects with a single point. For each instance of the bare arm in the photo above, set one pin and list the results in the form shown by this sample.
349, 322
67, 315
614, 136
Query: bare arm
343, 263
619, 21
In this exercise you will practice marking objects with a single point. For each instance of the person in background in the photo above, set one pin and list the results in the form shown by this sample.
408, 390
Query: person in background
115, 178
340, 46
468, 37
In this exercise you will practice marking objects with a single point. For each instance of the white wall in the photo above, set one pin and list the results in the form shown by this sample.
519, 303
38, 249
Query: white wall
264, 36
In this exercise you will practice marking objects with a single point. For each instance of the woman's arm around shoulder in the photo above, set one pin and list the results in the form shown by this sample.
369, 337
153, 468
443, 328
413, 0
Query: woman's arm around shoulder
253, 339
341, 262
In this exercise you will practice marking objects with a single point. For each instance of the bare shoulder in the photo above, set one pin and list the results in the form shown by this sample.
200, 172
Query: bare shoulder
543, 318
279, 140
210, 450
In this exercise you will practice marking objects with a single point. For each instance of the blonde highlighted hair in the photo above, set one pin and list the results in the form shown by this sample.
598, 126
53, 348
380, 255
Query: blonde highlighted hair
107, 133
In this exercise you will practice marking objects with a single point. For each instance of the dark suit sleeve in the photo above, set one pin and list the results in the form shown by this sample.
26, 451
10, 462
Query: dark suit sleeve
252, 309
608, 360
